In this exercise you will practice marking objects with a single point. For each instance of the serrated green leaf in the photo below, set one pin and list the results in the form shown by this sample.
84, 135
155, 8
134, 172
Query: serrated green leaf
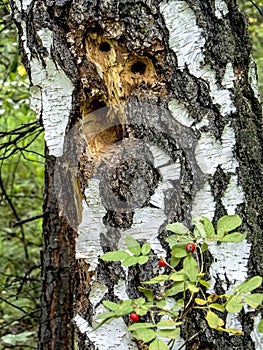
169, 333
260, 326
218, 307
148, 292
142, 259
248, 286
177, 276
174, 261
157, 279
178, 287
227, 223
146, 335
179, 251
146, 248
178, 228
118, 255
234, 304
110, 305
130, 261
234, 237
254, 300
204, 283
190, 268
133, 245
140, 325
158, 344
212, 319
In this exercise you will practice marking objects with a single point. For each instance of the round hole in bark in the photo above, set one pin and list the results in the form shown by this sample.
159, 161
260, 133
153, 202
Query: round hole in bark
138, 67
104, 46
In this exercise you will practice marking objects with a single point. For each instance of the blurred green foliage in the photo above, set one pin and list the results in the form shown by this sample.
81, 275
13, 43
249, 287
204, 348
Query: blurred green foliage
21, 188
254, 10
21, 185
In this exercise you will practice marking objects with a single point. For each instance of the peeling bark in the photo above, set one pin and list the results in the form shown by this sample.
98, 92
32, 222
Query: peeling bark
151, 115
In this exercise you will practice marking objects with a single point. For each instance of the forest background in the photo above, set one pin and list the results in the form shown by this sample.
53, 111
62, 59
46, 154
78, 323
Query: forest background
21, 184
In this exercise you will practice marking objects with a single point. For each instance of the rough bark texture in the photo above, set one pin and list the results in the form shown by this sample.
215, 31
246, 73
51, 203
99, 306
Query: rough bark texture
151, 116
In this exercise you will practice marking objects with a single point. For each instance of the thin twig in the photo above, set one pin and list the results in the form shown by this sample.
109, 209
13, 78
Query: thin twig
36, 217
257, 7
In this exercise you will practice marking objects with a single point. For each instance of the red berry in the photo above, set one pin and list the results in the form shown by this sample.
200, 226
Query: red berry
134, 317
162, 263
190, 247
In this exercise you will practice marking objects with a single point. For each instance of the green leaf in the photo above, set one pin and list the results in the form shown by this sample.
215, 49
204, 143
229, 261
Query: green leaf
146, 248
125, 304
140, 325
234, 304
12, 339
177, 240
168, 324
199, 301
254, 300
179, 251
148, 292
208, 227
105, 315
174, 261
260, 326
157, 279
118, 255
169, 333
190, 268
204, 283
110, 305
142, 259
178, 276
142, 310
158, 344
234, 237
178, 228
133, 245
248, 286
130, 261
227, 223
175, 289
218, 307
212, 319
199, 230
204, 247
192, 287
143, 334
139, 302
161, 304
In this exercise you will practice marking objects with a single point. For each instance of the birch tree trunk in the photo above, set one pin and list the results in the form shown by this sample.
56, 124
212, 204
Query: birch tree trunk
151, 115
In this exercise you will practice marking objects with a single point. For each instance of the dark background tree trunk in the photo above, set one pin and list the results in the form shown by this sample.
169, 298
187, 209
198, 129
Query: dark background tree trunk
151, 116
